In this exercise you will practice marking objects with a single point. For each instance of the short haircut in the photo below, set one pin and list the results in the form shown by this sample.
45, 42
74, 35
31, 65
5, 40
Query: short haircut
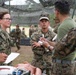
3, 13
63, 7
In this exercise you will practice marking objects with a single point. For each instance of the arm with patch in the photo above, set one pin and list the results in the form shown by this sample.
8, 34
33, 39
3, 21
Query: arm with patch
67, 45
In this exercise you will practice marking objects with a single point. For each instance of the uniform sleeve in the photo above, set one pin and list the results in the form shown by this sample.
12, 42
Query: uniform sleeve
67, 45
34, 38
37, 50
5, 42
2, 45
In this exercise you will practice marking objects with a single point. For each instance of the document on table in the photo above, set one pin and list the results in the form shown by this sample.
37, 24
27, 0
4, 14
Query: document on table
11, 57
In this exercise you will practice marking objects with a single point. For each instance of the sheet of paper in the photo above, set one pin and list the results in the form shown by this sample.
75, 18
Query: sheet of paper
11, 57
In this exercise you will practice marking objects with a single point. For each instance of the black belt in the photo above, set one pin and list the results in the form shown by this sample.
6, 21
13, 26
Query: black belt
63, 61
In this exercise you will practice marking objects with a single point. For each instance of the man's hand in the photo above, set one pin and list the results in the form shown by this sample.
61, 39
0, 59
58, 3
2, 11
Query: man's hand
3, 57
36, 44
43, 39
47, 45
49, 42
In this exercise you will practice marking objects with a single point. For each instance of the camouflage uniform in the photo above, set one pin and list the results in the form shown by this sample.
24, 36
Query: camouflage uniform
65, 54
42, 57
23, 35
5, 42
17, 37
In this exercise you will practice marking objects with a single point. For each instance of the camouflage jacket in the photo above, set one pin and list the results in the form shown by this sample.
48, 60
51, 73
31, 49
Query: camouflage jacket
35, 38
67, 46
5, 42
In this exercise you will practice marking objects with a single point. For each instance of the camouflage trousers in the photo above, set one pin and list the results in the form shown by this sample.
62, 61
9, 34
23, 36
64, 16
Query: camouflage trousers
64, 68
43, 62
46, 69
48, 62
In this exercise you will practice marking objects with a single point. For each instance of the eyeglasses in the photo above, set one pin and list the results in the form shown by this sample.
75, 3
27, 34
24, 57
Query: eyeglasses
7, 18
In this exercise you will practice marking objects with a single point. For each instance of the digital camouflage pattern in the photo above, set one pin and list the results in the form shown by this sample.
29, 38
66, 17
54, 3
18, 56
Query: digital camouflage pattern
5, 42
63, 69
42, 57
65, 54
66, 46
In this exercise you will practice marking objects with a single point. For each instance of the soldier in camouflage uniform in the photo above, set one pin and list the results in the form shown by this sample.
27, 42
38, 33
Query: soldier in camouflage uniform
17, 35
64, 55
31, 30
23, 35
42, 56
5, 41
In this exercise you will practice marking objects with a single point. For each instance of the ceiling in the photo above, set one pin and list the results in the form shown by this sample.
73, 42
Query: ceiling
31, 5
30, 12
